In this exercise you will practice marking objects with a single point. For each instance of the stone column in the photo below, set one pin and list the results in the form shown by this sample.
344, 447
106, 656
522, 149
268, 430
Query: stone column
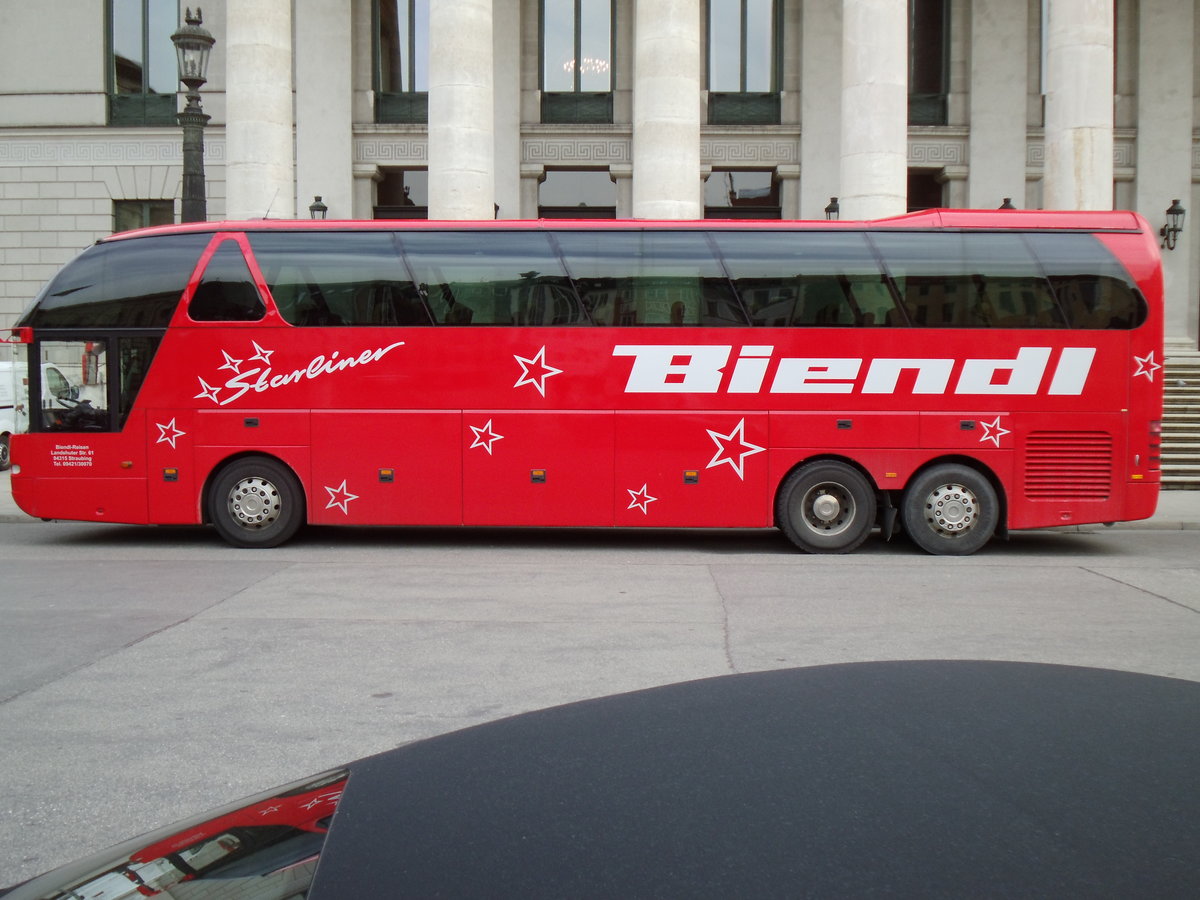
1079, 105
461, 131
1164, 147
820, 107
666, 110
324, 94
874, 158
259, 166
507, 107
999, 61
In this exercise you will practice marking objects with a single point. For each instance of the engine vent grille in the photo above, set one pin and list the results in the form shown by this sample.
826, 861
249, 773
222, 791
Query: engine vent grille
1068, 465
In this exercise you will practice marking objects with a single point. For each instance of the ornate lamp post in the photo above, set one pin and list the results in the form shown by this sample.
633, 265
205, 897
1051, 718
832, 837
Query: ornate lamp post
192, 45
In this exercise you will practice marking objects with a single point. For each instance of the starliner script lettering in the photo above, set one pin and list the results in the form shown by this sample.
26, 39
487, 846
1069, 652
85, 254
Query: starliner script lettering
263, 378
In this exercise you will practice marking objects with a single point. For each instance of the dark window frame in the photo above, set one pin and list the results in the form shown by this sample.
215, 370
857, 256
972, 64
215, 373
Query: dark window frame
577, 106
134, 109
397, 107
745, 107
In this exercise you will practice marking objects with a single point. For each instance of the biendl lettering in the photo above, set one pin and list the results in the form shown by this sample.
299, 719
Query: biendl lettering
707, 369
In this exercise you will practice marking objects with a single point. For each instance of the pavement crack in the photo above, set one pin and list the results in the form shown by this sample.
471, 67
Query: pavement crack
1141, 590
724, 622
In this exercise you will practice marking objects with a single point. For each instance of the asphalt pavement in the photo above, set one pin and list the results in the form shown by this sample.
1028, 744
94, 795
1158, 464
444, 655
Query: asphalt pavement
1177, 510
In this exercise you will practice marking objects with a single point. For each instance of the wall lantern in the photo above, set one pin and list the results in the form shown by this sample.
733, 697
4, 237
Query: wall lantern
317, 209
832, 211
1170, 232
1007, 204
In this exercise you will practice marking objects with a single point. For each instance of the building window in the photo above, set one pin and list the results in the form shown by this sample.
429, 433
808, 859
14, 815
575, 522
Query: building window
130, 214
743, 62
576, 58
577, 194
741, 194
142, 73
401, 60
403, 194
928, 61
925, 189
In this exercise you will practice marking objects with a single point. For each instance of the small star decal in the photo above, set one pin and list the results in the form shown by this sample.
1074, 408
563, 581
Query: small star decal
340, 497
267, 810
1146, 365
264, 356
640, 499
233, 365
535, 371
992, 431
732, 448
485, 437
207, 390
168, 433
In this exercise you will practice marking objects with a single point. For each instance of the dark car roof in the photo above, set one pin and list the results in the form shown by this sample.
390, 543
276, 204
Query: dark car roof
912, 778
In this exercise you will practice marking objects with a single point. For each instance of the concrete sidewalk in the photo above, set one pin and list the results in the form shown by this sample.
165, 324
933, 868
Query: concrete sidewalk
1177, 510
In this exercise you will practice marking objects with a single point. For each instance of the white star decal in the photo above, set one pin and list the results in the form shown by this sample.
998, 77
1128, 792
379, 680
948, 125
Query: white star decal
207, 390
340, 497
1146, 365
260, 354
735, 459
231, 364
267, 810
640, 499
168, 433
535, 371
485, 437
992, 431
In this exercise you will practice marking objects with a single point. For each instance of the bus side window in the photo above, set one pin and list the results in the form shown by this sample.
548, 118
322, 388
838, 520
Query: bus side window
226, 292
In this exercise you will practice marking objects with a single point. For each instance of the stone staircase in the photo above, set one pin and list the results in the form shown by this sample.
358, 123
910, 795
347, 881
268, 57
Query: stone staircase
1181, 424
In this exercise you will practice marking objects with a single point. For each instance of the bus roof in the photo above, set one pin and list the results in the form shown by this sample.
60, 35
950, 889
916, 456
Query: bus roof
974, 219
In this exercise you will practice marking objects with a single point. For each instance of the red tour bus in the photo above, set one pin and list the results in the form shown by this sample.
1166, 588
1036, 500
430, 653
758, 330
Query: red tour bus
951, 373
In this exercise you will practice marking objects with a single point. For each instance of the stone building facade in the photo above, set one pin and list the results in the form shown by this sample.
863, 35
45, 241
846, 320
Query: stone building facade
645, 108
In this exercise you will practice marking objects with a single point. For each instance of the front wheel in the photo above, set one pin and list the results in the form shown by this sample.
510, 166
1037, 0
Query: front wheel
826, 507
950, 510
256, 502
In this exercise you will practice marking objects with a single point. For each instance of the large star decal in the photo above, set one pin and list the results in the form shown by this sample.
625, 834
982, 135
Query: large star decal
732, 448
340, 497
485, 437
167, 434
993, 431
1146, 365
535, 371
640, 499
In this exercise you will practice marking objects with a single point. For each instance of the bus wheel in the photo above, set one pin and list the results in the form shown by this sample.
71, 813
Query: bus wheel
4, 458
950, 510
256, 502
826, 507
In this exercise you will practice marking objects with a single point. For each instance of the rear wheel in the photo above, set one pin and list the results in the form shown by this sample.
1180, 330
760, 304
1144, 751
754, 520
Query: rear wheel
256, 502
950, 510
5, 461
826, 507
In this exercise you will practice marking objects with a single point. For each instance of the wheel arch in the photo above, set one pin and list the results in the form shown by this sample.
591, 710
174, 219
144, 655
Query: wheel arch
218, 467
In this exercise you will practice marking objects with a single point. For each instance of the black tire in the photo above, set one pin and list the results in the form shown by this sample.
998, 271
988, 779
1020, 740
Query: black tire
950, 510
256, 502
5, 459
826, 507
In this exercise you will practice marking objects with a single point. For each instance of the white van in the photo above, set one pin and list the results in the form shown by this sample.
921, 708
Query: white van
14, 399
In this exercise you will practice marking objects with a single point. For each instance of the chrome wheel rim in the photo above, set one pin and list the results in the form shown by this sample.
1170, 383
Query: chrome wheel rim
828, 508
952, 509
254, 503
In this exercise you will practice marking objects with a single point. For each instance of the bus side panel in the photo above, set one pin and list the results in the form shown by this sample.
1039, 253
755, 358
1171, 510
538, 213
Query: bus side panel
171, 475
83, 476
537, 468
1070, 469
393, 467
693, 469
